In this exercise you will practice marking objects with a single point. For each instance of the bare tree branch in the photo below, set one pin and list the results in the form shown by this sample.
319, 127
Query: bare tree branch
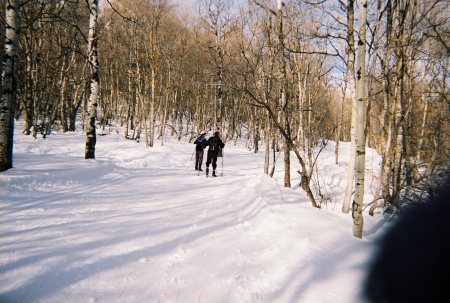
115, 10
262, 5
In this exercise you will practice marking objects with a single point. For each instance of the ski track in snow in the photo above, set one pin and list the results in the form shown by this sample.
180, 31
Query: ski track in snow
135, 225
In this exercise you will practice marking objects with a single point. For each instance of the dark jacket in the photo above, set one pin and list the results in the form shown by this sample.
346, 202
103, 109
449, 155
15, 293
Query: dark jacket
208, 142
200, 143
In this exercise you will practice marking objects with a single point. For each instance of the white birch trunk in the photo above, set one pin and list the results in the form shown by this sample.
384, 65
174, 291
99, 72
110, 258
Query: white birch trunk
357, 206
8, 98
94, 87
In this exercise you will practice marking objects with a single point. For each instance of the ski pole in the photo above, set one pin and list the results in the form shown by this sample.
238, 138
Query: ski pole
190, 160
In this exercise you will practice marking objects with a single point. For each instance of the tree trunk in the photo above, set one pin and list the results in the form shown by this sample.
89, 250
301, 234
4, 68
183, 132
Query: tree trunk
9, 87
385, 144
339, 127
62, 96
27, 102
418, 160
357, 206
287, 164
256, 131
164, 120
152, 111
94, 88
267, 147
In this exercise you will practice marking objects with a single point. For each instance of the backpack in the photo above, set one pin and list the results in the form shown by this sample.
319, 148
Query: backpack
214, 144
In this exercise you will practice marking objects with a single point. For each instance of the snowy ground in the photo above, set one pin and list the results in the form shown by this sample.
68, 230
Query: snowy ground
135, 225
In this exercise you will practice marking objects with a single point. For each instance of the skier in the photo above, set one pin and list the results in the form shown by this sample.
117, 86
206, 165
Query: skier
200, 143
215, 145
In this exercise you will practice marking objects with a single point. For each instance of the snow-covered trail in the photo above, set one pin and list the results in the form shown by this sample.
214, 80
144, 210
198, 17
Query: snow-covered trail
135, 225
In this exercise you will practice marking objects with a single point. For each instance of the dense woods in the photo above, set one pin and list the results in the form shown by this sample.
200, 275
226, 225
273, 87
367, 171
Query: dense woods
280, 75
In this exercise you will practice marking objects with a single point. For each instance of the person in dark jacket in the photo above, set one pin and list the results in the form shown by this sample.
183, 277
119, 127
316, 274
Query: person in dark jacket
215, 145
199, 148
413, 263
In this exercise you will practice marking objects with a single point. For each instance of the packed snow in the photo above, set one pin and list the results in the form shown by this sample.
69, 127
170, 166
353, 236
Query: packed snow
139, 224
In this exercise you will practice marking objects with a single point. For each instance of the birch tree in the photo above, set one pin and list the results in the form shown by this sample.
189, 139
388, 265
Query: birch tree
357, 206
9, 85
94, 86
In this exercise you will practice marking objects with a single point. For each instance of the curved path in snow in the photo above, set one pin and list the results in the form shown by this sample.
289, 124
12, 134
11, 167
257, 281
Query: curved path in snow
135, 225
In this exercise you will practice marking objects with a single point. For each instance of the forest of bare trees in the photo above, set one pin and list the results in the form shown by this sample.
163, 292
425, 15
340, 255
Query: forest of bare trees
283, 74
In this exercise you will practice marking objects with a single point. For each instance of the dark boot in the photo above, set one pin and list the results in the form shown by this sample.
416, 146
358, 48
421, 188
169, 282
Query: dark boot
214, 173
200, 168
